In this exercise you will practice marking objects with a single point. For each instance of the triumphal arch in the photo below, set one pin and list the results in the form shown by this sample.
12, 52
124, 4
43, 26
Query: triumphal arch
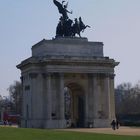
67, 82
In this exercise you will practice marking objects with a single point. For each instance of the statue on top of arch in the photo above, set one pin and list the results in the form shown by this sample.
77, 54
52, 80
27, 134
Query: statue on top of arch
67, 27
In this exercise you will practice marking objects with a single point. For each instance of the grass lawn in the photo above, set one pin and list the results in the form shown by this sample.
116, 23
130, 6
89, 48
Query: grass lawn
7, 133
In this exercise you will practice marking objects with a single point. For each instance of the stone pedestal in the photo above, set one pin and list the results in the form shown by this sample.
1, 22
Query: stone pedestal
74, 63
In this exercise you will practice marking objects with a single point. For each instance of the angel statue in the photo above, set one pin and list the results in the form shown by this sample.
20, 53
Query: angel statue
62, 8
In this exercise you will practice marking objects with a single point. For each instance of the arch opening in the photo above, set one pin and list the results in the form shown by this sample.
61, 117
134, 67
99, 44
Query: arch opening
74, 98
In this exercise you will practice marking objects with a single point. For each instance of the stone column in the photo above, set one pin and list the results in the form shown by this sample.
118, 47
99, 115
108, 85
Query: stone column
87, 117
96, 96
107, 95
40, 96
24, 102
36, 98
32, 97
48, 98
112, 96
90, 101
22, 91
62, 117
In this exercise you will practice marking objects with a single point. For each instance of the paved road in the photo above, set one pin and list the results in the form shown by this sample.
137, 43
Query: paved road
121, 131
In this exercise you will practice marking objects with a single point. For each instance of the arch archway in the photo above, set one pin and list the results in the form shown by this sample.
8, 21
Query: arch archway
74, 105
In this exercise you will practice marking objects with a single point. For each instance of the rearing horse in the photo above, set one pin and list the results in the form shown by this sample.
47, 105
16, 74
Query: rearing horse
78, 27
82, 25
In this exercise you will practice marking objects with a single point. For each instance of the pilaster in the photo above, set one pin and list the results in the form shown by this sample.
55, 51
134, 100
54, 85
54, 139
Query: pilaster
48, 98
107, 97
90, 95
33, 82
96, 98
112, 96
62, 117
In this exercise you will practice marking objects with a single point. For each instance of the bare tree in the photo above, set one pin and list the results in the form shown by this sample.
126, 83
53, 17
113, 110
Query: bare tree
129, 98
15, 92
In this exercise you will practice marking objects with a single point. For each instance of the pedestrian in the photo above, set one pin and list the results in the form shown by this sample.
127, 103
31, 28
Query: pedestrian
117, 124
113, 124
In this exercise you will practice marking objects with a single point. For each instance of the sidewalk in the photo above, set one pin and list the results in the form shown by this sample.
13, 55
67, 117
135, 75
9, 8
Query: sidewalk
134, 131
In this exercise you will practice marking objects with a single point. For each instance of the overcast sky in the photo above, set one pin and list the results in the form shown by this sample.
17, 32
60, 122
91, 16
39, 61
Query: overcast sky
116, 23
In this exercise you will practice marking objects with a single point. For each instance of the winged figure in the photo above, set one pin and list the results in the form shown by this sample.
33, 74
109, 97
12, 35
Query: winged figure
62, 8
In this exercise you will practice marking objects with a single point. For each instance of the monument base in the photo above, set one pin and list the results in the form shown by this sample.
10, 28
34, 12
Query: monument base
44, 123
102, 123
55, 124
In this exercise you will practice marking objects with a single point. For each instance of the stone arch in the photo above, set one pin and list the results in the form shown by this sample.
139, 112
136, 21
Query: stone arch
77, 64
76, 111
